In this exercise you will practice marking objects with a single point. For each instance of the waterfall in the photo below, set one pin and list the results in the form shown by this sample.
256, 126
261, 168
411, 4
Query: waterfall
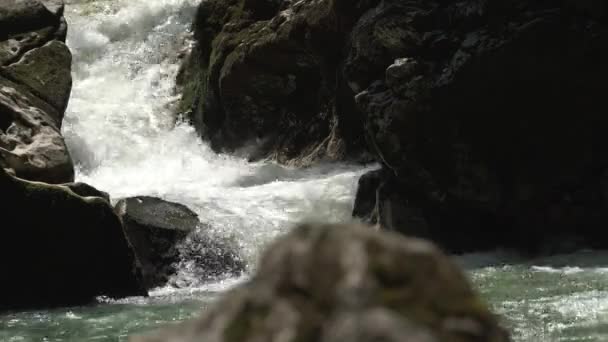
122, 131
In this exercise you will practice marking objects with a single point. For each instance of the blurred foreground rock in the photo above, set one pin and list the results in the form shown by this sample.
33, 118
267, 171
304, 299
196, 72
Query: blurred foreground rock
346, 283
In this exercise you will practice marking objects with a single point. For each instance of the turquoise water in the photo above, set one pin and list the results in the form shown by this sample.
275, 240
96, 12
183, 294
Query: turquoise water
541, 300
561, 298
102, 322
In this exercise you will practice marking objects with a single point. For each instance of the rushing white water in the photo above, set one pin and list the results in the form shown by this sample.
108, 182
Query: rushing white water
120, 130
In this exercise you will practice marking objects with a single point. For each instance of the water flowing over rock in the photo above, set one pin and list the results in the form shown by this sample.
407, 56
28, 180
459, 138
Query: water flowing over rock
35, 84
158, 231
346, 283
58, 248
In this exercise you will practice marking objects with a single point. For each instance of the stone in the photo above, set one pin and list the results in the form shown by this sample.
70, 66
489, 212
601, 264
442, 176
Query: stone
346, 283
61, 249
263, 73
46, 72
154, 227
35, 85
487, 118
164, 233
85, 190
30, 141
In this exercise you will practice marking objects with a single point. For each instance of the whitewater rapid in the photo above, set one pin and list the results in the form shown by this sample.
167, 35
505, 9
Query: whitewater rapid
123, 135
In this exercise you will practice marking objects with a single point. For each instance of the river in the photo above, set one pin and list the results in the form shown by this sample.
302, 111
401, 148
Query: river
125, 140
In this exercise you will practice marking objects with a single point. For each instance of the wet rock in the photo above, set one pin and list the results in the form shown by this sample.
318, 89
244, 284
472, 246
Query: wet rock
30, 139
154, 227
61, 249
25, 15
487, 118
85, 190
263, 74
35, 83
46, 71
346, 283
164, 233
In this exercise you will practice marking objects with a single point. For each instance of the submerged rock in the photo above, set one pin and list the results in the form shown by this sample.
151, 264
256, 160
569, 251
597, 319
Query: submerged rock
158, 231
59, 249
35, 84
346, 283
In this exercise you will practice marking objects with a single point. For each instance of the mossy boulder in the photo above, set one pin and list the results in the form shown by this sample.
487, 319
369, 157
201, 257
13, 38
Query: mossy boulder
346, 283
262, 75
59, 248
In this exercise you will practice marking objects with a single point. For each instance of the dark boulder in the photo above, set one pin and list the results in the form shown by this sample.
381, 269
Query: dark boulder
60, 249
487, 116
164, 233
346, 283
263, 74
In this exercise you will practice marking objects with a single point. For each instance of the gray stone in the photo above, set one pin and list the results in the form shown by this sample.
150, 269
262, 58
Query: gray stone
46, 71
163, 233
346, 283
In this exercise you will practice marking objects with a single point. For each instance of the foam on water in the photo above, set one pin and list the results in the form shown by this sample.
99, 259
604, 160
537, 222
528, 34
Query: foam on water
122, 134
558, 298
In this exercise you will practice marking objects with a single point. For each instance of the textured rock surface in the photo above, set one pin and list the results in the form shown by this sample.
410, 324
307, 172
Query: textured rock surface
58, 248
346, 283
35, 84
487, 116
157, 230
263, 74
488, 119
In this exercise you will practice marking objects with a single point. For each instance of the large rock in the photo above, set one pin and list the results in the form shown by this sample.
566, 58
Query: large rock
59, 248
158, 231
346, 283
263, 75
35, 84
488, 118
30, 139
